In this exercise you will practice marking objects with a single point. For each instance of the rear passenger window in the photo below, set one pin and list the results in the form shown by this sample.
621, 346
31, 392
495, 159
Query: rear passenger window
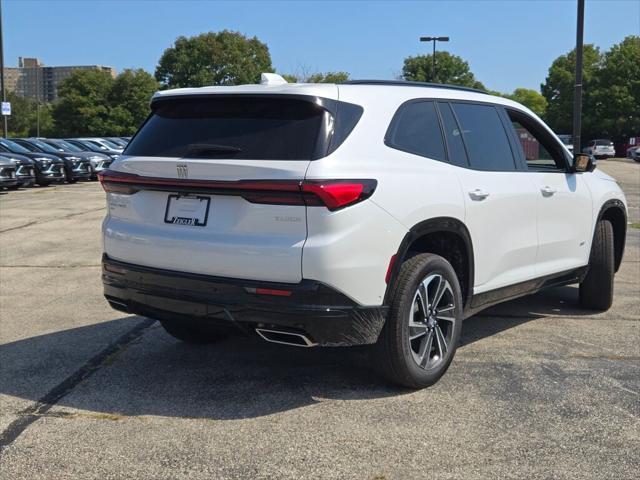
457, 154
485, 137
415, 129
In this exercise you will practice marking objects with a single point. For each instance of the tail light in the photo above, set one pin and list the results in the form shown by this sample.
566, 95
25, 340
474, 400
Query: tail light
335, 194
332, 194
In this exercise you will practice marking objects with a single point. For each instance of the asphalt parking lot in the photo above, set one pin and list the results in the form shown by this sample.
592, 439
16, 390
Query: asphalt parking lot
538, 389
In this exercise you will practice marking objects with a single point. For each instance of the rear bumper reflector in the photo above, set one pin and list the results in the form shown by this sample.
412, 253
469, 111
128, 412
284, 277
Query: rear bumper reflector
333, 194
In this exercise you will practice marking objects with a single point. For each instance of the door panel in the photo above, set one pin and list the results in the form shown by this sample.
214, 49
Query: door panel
564, 221
500, 201
564, 209
502, 226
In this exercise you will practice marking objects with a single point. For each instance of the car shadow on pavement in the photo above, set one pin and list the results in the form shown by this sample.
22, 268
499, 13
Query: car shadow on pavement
559, 301
154, 374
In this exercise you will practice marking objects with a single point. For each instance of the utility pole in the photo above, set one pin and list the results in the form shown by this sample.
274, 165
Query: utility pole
577, 92
4, 92
434, 40
37, 102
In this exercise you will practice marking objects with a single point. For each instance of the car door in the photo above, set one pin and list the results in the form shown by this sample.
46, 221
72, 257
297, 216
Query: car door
500, 201
564, 207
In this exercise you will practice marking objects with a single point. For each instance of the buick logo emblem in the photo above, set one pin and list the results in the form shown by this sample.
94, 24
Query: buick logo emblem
183, 170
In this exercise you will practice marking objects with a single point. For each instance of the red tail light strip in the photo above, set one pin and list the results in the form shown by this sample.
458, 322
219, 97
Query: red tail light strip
333, 194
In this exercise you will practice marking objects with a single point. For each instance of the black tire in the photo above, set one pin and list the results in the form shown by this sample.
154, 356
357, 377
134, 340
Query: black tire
44, 183
192, 331
395, 355
596, 289
72, 180
13, 187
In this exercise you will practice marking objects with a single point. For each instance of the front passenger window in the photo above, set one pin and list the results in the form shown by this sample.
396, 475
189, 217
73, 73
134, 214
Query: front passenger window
534, 152
540, 151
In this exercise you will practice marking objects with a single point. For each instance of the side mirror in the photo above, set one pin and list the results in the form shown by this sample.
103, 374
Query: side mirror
583, 163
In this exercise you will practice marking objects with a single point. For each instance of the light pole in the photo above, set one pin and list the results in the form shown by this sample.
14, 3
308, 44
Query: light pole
434, 40
577, 92
3, 93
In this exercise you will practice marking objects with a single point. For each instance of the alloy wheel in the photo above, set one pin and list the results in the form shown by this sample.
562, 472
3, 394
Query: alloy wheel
431, 321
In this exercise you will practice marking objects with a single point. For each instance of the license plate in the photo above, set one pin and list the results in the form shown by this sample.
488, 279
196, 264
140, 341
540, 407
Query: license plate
187, 210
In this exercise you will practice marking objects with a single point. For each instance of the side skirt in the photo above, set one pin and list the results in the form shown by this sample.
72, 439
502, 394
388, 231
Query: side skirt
493, 297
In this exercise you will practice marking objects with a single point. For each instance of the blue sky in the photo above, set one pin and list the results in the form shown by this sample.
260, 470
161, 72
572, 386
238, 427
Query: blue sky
508, 44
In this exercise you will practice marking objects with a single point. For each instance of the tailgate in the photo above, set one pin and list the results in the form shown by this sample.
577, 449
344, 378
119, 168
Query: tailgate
196, 192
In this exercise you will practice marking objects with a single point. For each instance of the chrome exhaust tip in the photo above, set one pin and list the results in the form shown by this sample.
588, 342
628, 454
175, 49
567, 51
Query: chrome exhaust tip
285, 338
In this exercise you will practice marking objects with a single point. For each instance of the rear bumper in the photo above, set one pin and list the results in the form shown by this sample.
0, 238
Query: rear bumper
326, 316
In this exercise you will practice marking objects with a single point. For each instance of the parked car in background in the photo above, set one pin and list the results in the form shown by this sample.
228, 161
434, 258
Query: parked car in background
126, 139
118, 141
274, 208
99, 161
25, 168
103, 144
567, 140
75, 166
600, 148
8, 177
48, 168
88, 146
633, 153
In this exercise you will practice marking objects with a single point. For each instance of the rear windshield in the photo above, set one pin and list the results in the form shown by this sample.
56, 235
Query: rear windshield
268, 128
606, 143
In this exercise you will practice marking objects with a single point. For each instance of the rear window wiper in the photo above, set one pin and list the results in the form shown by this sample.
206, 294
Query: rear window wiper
195, 149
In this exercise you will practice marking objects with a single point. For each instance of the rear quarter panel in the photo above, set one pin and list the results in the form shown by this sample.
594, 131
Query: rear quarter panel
350, 249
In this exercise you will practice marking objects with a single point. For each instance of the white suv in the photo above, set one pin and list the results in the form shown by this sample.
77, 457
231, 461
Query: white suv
600, 149
365, 212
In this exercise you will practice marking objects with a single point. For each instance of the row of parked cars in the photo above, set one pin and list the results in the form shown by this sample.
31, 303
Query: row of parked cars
25, 162
602, 148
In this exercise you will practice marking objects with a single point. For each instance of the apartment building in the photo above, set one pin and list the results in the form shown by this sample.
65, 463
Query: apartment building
33, 79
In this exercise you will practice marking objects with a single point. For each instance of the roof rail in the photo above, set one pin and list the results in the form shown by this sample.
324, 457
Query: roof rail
405, 83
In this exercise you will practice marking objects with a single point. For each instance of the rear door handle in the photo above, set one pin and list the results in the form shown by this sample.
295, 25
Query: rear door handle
547, 191
478, 194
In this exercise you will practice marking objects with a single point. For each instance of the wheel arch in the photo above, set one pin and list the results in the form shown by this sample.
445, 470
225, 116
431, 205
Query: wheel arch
445, 235
615, 212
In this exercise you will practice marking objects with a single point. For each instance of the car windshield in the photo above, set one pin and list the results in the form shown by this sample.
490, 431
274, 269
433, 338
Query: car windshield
566, 139
84, 145
44, 146
69, 147
13, 146
112, 144
606, 143
95, 143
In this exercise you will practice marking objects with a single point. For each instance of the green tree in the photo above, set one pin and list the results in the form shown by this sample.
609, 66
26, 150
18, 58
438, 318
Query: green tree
530, 99
450, 69
328, 77
617, 98
318, 77
23, 121
222, 58
289, 77
83, 105
559, 86
129, 98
